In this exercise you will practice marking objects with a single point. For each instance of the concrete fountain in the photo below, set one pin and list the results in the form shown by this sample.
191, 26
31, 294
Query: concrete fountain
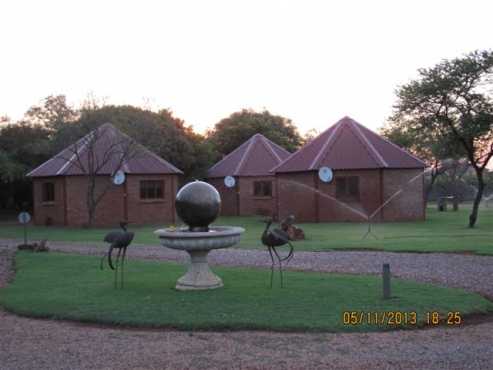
198, 204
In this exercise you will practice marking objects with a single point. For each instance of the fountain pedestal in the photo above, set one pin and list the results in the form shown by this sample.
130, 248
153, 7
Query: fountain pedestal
198, 204
199, 276
198, 245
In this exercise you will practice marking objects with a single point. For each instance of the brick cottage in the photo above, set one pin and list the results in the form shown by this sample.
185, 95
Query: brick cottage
368, 170
146, 196
255, 186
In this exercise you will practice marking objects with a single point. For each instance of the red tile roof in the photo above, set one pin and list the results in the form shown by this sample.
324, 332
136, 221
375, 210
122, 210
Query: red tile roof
108, 136
255, 157
349, 145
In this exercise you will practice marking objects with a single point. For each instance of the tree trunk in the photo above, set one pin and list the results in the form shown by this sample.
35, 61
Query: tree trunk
474, 214
91, 207
455, 195
90, 218
429, 188
455, 203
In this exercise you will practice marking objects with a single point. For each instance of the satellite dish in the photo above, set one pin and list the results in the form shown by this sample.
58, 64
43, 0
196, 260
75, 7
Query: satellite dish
24, 217
325, 174
119, 177
229, 181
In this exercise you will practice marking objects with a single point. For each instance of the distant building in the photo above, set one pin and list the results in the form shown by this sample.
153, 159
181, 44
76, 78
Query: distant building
146, 196
368, 171
255, 190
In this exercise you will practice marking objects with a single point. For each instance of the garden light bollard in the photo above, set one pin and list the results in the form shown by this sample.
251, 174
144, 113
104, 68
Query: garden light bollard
386, 280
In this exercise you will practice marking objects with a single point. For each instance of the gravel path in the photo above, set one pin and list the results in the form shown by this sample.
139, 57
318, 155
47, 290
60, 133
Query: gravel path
43, 344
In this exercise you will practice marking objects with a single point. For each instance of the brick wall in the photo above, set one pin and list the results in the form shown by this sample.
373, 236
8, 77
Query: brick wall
311, 200
254, 205
112, 208
109, 210
247, 202
408, 205
229, 203
154, 211
342, 210
296, 197
52, 212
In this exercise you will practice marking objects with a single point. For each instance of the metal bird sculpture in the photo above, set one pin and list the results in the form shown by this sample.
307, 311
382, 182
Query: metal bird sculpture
118, 240
273, 238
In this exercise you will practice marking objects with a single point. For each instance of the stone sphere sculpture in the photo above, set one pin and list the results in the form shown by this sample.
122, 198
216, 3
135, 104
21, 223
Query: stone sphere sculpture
198, 204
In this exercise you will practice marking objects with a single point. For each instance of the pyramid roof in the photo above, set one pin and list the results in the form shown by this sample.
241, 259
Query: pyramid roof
255, 157
349, 145
107, 144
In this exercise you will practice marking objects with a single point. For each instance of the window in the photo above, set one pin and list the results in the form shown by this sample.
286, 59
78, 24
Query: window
152, 189
262, 188
48, 192
347, 187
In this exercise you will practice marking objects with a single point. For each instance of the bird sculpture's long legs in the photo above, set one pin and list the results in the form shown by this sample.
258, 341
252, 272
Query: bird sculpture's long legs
117, 262
102, 259
272, 266
280, 264
290, 254
123, 262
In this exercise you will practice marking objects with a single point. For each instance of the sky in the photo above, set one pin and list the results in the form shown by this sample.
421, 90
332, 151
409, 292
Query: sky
311, 61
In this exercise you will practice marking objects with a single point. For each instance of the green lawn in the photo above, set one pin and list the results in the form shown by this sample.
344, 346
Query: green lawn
441, 232
72, 287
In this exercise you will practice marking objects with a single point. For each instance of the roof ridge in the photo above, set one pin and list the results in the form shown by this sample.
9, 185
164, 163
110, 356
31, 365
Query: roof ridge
43, 164
402, 149
324, 147
71, 159
278, 146
328, 149
109, 132
142, 147
115, 132
56, 156
379, 157
228, 155
245, 155
267, 145
292, 155
107, 127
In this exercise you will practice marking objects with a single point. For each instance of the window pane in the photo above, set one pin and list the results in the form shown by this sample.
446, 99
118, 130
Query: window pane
262, 188
143, 189
143, 194
340, 187
257, 188
151, 189
159, 190
48, 192
353, 186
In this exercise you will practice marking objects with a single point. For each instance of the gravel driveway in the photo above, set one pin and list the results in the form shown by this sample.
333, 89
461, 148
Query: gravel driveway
43, 344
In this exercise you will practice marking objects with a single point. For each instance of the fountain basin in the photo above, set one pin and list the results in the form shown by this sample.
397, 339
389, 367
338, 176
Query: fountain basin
198, 244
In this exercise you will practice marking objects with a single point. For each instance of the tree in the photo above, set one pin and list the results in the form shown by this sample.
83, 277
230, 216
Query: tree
160, 132
231, 132
94, 152
310, 135
54, 113
435, 150
22, 147
451, 101
26, 144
